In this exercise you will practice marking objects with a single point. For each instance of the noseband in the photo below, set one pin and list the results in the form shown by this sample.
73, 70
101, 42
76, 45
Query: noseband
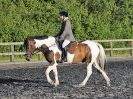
32, 53
40, 50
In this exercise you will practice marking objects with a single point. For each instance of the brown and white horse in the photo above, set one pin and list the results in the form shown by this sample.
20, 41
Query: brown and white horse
87, 51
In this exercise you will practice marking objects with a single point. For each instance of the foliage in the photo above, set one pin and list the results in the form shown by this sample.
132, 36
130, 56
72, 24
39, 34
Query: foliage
91, 19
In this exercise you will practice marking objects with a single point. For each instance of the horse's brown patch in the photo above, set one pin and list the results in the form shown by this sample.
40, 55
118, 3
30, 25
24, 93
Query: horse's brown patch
82, 52
50, 57
29, 44
32, 43
57, 56
49, 54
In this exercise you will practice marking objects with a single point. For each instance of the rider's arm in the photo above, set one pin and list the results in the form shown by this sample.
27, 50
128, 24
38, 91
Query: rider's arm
61, 30
67, 30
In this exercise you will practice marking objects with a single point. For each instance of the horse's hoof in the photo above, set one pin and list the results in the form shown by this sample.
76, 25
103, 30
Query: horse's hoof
75, 85
52, 83
108, 84
81, 85
56, 84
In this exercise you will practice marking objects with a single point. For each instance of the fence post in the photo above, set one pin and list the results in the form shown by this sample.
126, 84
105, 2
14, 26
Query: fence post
39, 56
131, 47
111, 46
12, 53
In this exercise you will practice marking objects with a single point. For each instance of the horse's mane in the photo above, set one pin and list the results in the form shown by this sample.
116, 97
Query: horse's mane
38, 37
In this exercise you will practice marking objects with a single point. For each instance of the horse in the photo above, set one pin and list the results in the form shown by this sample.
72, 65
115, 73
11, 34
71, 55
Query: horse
92, 53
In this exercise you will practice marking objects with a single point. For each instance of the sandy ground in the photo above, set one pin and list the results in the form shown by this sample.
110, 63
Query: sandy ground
31, 83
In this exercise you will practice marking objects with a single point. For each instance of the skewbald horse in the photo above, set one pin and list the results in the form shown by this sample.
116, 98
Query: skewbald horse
87, 51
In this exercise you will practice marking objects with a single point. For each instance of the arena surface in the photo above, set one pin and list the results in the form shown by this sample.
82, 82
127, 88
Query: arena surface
30, 82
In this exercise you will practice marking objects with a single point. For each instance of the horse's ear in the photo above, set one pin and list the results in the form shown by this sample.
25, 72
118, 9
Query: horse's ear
24, 44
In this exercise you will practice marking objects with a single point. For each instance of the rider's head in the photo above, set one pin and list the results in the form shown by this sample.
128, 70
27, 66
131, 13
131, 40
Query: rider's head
63, 14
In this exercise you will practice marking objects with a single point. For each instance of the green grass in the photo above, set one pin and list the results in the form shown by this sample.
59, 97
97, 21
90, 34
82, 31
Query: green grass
20, 58
118, 53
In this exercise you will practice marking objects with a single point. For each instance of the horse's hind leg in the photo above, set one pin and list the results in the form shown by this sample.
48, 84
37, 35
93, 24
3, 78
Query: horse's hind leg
89, 72
103, 73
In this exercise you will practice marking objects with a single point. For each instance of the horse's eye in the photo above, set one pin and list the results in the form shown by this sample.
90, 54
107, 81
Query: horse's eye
28, 47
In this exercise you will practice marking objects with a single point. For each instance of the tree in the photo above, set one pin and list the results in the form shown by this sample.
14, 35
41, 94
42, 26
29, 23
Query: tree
91, 19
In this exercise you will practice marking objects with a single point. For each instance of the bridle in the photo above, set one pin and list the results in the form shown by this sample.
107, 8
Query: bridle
39, 49
33, 53
30, 53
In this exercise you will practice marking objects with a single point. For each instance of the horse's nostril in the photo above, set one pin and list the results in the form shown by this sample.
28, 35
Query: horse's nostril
27, 57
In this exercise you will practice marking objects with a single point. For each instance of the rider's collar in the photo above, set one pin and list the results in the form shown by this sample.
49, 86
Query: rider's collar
66, 18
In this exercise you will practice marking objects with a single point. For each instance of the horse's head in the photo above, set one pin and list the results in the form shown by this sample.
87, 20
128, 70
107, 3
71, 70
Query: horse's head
30, 48
32, 44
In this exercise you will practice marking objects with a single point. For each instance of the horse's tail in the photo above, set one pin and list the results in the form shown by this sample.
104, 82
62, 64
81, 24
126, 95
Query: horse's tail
101, 57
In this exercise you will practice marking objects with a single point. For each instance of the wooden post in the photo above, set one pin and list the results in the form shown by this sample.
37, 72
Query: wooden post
12, 53
131, 47
111, 46
40, 56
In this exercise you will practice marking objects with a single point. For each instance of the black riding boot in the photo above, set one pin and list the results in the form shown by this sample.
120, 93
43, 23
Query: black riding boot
63, 57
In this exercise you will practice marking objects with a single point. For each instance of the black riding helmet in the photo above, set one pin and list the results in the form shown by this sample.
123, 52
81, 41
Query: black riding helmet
64, 13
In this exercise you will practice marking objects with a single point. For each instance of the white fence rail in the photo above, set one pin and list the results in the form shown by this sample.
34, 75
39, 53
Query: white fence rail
110, 49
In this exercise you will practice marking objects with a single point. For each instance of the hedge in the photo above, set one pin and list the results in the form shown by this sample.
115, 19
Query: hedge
91, 19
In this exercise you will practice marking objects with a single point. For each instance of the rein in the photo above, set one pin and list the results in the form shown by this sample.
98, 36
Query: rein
40, 49
51, 45
33, 53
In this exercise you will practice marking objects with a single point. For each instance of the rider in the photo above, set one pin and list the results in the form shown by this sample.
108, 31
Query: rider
65, 35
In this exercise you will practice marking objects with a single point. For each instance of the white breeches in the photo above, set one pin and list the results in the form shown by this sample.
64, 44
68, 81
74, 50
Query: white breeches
65, 43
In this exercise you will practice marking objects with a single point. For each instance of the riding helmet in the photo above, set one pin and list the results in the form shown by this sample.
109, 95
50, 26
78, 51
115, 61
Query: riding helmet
64, 13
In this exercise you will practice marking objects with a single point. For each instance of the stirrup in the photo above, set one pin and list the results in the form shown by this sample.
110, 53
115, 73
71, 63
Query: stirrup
61, 61
65, 59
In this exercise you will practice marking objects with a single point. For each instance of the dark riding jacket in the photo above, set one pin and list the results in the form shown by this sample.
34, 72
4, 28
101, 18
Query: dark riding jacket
66, 31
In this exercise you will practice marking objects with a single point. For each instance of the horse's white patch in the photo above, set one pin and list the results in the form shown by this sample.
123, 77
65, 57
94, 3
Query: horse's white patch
70, 57
49, 42
93, 46
55, 49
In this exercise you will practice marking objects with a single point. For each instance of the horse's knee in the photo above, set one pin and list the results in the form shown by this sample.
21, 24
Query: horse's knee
48, 70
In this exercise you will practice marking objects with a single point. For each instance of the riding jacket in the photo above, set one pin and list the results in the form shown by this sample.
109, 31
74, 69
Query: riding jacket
66, 31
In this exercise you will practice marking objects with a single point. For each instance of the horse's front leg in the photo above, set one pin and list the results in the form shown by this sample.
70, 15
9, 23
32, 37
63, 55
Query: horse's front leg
56, 76
48, 70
